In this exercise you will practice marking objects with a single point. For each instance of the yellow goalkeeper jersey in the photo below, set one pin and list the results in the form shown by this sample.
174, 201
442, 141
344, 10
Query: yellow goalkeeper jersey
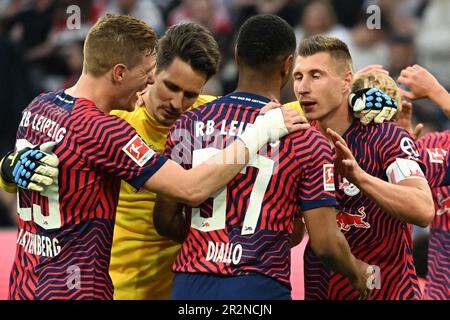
141, 259
295, 105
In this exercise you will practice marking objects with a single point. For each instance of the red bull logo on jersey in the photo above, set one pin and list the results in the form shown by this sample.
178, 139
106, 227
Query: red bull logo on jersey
349, 188
138, 151
224, 252
444, 204
347, 220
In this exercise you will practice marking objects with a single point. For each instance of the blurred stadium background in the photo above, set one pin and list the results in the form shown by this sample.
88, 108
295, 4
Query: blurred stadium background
38, 52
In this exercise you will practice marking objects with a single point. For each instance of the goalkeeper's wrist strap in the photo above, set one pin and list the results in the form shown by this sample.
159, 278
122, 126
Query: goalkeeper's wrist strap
5, 165
266, 128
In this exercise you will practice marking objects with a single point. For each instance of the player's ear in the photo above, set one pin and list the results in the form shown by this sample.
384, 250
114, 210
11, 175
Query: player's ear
348, 80
236, 58
288, 64
118, 72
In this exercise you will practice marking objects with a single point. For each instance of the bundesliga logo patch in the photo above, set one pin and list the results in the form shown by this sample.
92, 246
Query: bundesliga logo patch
328, 177
138, 151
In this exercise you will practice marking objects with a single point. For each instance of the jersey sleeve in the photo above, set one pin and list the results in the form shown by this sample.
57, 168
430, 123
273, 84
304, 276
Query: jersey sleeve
111, 144
315, 160
436, 158
396, 143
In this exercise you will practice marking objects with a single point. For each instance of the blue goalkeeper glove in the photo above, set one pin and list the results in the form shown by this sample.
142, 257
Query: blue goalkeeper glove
372, 104
31, 169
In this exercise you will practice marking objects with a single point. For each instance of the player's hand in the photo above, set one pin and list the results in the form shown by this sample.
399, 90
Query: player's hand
293, 120
273, 123
372, 104
421, 83
31, 169
404, 120
344, 162
362, 279
372, 68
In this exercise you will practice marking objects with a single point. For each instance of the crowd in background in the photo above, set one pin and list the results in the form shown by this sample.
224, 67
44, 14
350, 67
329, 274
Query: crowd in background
41, 51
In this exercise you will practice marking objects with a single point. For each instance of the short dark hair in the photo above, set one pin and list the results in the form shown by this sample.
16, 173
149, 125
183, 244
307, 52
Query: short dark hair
193, 44
337, 49
265, 40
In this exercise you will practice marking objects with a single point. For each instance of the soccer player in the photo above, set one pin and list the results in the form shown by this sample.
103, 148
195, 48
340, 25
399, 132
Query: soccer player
65, 233
237, 244
379, 181
435, 150
140, 264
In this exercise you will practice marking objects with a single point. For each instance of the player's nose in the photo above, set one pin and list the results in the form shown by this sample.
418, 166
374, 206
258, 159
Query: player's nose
303, 87
177, 101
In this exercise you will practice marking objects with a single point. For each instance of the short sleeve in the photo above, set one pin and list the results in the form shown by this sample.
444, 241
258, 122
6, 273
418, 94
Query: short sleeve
110, 144
315, 157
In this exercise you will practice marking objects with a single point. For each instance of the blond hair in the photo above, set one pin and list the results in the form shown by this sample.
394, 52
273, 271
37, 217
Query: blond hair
117, 39
380, 81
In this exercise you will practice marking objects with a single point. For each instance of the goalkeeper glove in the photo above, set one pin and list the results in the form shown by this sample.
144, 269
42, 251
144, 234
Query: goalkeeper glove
31, 168
372, 104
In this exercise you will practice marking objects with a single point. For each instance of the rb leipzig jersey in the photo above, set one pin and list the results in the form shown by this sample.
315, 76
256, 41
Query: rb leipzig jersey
374, 236
246, 227
65, 233
434, 148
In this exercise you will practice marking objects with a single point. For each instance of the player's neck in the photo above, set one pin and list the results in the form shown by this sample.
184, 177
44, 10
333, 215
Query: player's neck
257, 84
91, 88
339, 120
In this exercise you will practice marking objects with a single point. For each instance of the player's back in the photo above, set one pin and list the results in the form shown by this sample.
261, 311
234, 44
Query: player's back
246, 228
65, 233
434, 149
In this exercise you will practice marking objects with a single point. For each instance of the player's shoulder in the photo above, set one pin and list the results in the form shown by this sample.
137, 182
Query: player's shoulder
387, 130
43, 97
203, 99
435, 139
308, 138
384, 126
196, 112
87, 113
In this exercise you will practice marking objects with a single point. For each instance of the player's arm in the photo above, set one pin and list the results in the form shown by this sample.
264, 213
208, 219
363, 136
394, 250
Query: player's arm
169, 219
197, 184
330, 245
8, 187
299, 232
422, 84
407, 197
